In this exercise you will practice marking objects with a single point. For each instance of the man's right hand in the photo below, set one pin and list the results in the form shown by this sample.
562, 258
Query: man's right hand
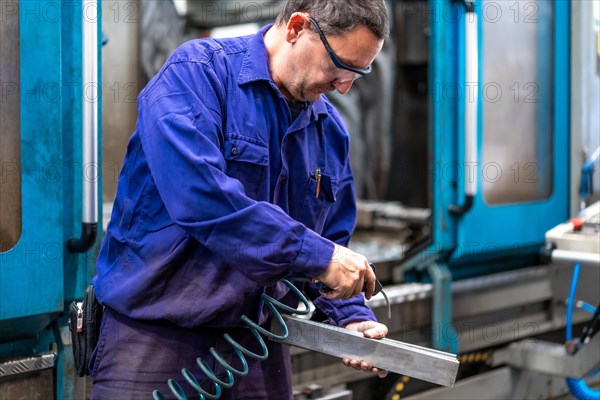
346, 275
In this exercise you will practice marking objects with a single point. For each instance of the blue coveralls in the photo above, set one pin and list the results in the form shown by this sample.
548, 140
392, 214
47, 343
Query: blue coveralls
216, 201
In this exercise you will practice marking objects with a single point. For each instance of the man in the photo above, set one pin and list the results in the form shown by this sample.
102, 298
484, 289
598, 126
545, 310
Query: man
236, 177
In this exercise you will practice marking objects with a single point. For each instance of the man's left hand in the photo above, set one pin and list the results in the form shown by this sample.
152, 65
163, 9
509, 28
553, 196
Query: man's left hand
372, 330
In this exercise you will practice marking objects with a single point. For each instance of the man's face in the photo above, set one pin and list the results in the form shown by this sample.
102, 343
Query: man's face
311, 70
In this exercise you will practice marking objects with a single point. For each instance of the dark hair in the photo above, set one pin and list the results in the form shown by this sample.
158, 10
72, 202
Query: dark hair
340, 16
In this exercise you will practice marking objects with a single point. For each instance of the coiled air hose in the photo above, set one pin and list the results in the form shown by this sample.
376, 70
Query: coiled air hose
274, 306
577, 387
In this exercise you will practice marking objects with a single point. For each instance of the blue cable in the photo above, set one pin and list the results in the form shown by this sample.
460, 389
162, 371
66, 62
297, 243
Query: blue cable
578, 387
586, 186
242, 352
571, 300
587, 307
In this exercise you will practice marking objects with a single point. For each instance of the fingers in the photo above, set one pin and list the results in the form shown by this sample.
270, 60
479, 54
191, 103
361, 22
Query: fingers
341, 293
370, 329
358, 365
374, 333
370, 282
365, 367
358, 286
348, 272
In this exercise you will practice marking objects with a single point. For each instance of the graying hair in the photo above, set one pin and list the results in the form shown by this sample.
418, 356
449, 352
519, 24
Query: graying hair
336, 17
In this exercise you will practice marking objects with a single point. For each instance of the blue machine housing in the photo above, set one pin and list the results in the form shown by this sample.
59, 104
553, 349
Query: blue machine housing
487, 238
505, 226
39, 276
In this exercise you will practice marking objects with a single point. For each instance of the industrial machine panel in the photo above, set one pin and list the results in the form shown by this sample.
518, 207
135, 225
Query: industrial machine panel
501, 146
31, 271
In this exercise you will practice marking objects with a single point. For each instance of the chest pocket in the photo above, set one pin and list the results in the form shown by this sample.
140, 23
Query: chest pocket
248, 161
316, 208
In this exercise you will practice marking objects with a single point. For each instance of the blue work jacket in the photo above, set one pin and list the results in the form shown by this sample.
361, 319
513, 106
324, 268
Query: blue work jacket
217, 198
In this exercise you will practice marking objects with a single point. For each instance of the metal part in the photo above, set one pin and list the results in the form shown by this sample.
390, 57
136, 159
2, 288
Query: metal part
591, 329
490, 310
506, 119
387, 232
90, 113
502, 383
378, 289
471, 107
403, 358
570, 242
342, 395
29, 364
387, 303
389, 215
487, 311
210, 13
38, 385
471, 104
442, 307
384, 248
550, 358
90, 128
567, 256
10, 128
315, 392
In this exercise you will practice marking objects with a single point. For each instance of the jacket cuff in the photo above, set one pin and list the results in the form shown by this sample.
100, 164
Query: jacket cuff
314, 255
343, 312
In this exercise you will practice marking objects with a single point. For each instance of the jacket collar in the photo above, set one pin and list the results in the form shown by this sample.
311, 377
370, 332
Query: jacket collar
255, 67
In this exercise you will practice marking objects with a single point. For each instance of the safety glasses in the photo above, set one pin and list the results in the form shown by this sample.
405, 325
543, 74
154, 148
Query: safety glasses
340, 67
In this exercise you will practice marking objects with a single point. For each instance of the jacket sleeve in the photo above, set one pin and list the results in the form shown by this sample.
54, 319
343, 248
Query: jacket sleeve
340, 312
180, 123
339, 227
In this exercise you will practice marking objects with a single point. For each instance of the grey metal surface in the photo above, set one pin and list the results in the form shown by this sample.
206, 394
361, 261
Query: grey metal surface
486, 285
29, 364
410, 170
75, 388
567, 256
335, 395
122, 81
375, 214
386, 230
210, 13
550, 358
32, 386
403, 358
533, 303
494, 298
310, 367
343, 395
470, 100
486, 311
90, 130
585, 95
491, 385
570, 242
499, 384
10, 127
517, 89
385, 249
368, 111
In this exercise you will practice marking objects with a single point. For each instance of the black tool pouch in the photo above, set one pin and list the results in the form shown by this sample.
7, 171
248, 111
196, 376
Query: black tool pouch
84, 323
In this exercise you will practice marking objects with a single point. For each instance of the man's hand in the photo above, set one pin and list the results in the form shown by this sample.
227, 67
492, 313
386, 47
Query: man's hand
373, 330
346, 275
